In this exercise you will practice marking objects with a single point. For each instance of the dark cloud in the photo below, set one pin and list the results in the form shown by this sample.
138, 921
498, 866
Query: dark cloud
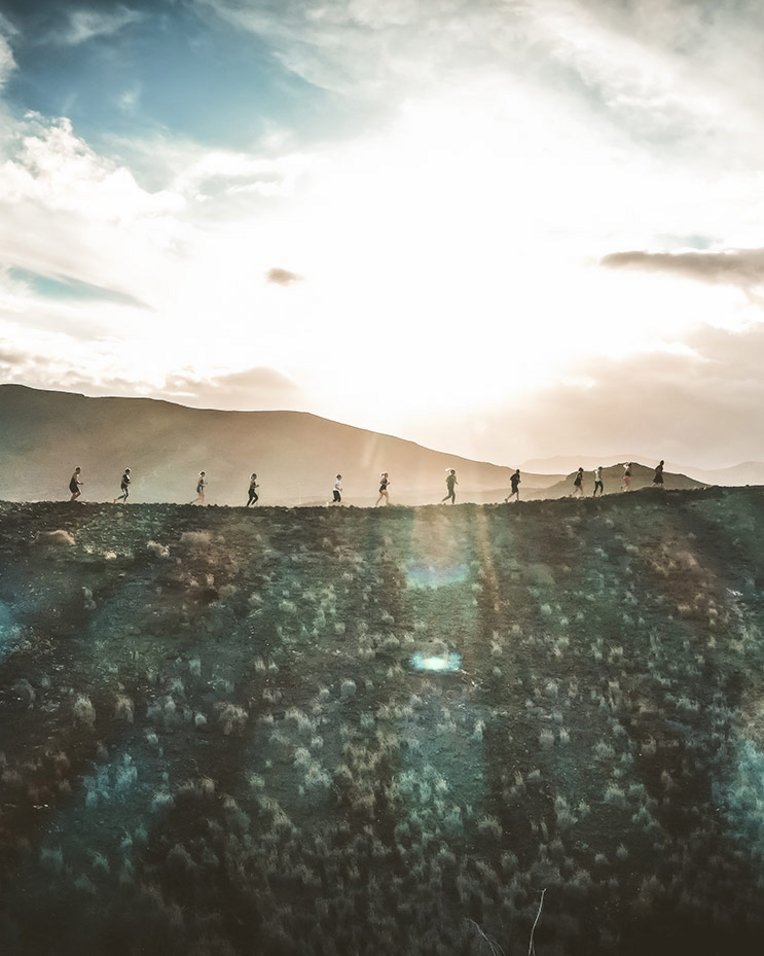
282, 276
740, 267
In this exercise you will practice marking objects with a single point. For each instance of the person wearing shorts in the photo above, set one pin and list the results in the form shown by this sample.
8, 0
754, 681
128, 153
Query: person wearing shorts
124, 487
337, 491
74, 484
578, 485
201, 484
514, 484
253, 486
384, 484
451, 484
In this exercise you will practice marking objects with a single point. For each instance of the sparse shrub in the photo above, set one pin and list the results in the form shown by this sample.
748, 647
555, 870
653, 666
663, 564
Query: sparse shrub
316, 777
161, 800
348, 689
603, 751
667, 781
123, 709
84, 711
615, 796
160, 550
490, 826
301, 720
232, 718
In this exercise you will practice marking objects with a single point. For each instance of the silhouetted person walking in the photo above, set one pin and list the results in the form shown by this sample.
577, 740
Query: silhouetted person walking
451, 484
201, 484
658, 476
514, 484
74, 484
598, 485
253, 486
578, 485
124, 487
384, 484
337, 491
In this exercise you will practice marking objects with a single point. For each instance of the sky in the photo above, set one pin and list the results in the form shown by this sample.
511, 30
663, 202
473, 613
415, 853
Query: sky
501, 228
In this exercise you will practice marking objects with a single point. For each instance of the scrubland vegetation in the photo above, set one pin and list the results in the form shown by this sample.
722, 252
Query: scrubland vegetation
212, 740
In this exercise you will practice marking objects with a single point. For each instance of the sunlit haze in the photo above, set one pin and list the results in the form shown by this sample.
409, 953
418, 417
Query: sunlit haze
504, 229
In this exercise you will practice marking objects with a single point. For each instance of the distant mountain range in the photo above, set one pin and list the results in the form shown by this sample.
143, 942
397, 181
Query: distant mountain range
296, 455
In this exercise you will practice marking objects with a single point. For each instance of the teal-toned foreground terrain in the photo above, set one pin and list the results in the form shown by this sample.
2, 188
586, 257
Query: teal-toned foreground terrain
215, 738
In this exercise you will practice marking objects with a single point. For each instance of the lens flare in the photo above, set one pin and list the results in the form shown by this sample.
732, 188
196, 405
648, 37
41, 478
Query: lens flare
436, 662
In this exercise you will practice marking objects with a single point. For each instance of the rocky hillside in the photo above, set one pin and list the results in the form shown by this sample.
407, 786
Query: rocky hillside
403, 730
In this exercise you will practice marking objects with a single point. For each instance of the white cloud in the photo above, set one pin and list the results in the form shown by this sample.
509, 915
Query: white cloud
129, 100
7, 61
66, 211
461, 235
85, 24
676, 77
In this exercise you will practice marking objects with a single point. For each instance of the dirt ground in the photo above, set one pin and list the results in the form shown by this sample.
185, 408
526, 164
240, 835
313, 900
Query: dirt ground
214, 739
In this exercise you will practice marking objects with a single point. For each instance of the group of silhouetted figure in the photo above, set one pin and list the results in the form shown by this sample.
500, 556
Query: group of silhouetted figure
75, 486
578, 480
76, 482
